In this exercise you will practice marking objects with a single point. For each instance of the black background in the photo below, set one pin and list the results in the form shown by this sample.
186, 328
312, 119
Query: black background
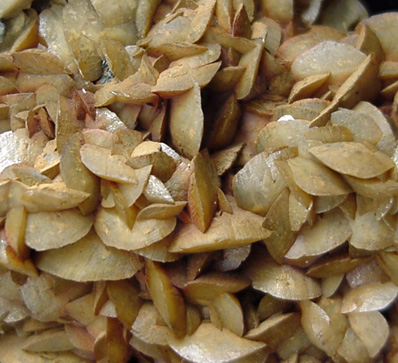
380, 6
